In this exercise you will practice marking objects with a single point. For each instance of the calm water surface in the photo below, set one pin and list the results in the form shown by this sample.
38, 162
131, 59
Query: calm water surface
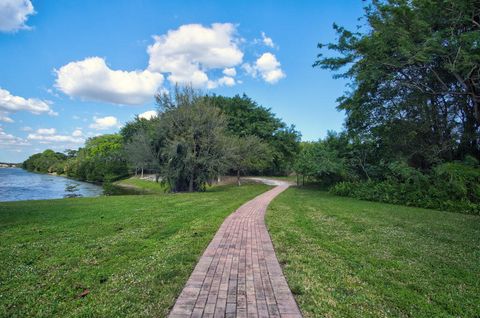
18, 184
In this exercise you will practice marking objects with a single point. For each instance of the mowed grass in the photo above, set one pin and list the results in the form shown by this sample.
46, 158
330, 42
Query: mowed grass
348, 258
130, 255
141, 185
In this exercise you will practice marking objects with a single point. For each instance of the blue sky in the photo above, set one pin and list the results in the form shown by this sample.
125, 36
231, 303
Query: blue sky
74, 69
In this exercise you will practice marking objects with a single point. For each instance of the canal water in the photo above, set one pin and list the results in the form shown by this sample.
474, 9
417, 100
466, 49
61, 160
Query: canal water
18, 184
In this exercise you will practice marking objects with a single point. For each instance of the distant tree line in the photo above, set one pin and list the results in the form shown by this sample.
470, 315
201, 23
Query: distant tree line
101, 159
196, 138
412, 114
193, 140
45, 162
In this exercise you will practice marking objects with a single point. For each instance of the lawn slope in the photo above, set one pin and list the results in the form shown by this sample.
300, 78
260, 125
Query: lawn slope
348, 258
125, 256
141, 186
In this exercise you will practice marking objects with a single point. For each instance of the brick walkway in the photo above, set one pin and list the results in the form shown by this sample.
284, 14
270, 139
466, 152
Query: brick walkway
239, 275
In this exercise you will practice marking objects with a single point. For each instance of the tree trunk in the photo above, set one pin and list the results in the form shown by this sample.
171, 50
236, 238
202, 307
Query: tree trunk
142, 173
238, 178
471, 88
298, 180
475, 95
476, 109
157, 176
190, 183
361, 162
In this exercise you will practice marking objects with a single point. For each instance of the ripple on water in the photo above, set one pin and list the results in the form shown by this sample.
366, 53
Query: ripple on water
18, 184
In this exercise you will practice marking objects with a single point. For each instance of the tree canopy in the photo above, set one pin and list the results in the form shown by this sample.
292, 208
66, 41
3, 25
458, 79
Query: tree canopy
415, 78
195, 151
412, 110
246, 118
47, 161
248, 153
101, 159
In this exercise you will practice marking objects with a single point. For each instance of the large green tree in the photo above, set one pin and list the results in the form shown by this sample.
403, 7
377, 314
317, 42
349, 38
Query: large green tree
246, 118
138, 124
141, 153
322, 162
248, 153
195, 150
102, 158
47, 161
415, 72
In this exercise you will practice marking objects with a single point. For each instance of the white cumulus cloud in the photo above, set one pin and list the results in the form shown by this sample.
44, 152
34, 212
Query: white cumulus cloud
104, 123
148, 115
55, 138
46, 139
231, 71
92, 79
227, 81
14, 14
10, 140
190, 51
49, 135
267, 66
267, 41
46, 131
4, 117
10, 103
77, 133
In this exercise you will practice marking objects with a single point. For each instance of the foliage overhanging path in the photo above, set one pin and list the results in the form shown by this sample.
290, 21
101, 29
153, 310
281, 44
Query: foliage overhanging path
239, 275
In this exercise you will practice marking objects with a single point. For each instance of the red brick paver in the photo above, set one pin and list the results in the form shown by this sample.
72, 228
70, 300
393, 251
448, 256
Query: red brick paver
239, 275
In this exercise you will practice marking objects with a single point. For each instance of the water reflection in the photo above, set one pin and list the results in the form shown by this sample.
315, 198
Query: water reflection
17, 184
72, 191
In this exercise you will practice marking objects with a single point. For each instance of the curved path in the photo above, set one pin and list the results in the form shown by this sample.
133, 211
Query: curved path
239, 275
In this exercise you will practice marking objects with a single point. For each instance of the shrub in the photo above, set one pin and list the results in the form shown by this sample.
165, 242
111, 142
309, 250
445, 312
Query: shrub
108, 186
451, 186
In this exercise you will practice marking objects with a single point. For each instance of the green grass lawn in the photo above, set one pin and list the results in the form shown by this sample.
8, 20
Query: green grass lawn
140, 185
348, 258
132, 253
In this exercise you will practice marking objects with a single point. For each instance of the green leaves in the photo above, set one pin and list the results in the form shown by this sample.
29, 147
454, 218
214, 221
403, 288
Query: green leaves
194, 151
101, 159
47, 161
415, 70
246, 118
321, 162
249, 153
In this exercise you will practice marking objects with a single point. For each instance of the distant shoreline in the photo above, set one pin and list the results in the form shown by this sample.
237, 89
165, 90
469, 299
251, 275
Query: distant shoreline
9, 165
54, 174
22, 185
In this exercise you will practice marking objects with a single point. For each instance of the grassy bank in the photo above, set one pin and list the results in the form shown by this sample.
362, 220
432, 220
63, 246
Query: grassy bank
349, 258
141, 185
123, 256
